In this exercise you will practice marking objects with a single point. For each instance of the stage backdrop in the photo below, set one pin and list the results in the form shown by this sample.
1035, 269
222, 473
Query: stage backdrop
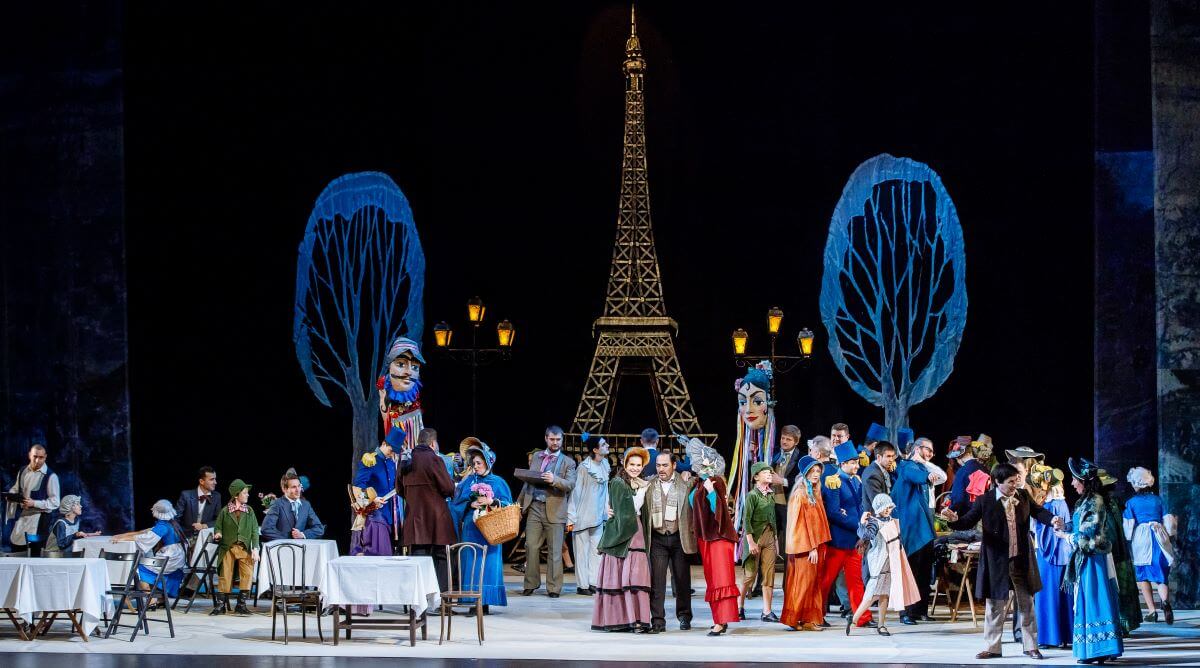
62, 256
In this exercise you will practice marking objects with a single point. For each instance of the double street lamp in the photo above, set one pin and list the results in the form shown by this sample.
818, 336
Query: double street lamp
475, 356
779, 363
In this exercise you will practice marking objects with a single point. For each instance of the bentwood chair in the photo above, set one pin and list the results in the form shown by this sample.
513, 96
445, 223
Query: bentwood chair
286, 569
470, 559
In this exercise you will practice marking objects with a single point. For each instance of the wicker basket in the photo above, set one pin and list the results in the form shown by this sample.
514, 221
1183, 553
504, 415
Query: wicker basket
500, 526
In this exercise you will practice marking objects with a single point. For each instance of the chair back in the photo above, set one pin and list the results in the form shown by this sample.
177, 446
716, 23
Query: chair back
55, 554
285, 565
73, 555
468, 559
124, 560
157, 566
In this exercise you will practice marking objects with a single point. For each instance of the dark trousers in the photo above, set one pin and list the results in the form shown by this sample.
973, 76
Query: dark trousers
781, 524
667, 551
921, 563
438, 552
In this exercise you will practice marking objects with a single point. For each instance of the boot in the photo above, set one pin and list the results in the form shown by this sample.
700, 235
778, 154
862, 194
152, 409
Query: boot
1168, 613
240, 608
1151, 618
221, 604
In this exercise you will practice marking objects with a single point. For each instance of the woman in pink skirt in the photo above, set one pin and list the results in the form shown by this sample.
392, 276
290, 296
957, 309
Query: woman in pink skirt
623, 589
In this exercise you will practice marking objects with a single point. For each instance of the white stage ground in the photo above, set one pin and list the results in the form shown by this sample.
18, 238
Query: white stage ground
538, 627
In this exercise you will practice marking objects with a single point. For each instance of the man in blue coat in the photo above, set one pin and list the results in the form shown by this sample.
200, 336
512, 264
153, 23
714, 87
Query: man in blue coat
377, 471
844, 508
291, 516
913, 493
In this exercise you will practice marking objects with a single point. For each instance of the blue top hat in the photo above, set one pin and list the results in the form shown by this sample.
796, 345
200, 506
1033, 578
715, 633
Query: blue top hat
845, 452
395, 437
877, 432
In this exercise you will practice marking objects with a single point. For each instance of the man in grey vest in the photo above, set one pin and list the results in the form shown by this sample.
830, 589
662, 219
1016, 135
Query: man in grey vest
38, 488
671, 540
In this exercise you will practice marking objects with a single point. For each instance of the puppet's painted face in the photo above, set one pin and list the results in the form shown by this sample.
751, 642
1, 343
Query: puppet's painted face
752, 405
403, 373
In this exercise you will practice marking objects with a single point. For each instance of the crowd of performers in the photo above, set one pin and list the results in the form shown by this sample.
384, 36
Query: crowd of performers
866, 522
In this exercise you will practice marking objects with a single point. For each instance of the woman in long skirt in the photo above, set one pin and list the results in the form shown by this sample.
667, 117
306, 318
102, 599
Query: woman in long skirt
1149, 532
1096, 635
715, 540
623, 591
807, 533
891, 582
464, 510
1051, 602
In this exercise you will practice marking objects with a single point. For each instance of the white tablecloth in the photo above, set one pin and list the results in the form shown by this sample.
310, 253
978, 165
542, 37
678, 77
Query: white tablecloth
363, 580
31, 585
118, 571
199, 542
317, 553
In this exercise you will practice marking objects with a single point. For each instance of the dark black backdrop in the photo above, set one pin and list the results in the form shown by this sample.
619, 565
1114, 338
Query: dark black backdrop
502, 124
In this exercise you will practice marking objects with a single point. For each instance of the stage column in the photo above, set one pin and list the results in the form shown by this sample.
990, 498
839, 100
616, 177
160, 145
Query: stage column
1175, 58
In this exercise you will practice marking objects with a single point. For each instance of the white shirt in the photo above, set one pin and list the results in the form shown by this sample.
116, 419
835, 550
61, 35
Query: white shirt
200, 503
27, 518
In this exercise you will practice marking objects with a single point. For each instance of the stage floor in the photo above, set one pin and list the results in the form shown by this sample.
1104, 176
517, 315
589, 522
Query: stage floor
538, 627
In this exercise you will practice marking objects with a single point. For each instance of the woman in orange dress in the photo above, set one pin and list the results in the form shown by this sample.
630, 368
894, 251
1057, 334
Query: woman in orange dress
807, 533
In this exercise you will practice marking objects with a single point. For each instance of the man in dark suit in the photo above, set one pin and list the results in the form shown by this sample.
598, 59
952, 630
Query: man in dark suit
786, 468
291, 516
197, 508
1006, 561
878, 477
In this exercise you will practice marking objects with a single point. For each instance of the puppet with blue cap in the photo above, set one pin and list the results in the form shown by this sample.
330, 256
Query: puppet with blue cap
399, 389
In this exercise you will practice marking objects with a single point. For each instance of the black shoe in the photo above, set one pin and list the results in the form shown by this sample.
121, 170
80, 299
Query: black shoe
1168, 613
741, 614
1151, 618
657, 629
824, 624
844, 613
714, 632
883, 631
908, 621
219, 607
870, 624
553, 594
586, 591
849, 623
925, 618
593, 590
685, 625
527, 592
240, 608
769, 617
692, 592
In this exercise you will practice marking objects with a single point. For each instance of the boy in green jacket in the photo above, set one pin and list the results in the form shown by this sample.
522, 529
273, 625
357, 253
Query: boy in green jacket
236, 531
758, 521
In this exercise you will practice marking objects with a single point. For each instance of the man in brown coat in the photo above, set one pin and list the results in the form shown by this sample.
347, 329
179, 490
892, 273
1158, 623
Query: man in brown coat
426, 484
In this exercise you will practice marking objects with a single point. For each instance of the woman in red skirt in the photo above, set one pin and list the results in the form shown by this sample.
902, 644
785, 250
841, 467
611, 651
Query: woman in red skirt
715, 539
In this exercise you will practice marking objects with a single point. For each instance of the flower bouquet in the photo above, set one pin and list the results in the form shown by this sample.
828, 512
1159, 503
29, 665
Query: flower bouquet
481, 491
266, 500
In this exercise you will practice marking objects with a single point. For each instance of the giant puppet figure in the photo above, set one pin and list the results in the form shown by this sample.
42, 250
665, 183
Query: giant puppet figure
756, 431
400, 390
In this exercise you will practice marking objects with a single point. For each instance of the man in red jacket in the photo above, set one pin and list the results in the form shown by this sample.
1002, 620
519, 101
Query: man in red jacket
426, 485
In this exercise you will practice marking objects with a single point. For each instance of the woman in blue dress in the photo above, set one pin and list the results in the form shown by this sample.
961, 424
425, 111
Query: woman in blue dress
480, 460
1149, 533
164, 539
1052, 603
1096, 634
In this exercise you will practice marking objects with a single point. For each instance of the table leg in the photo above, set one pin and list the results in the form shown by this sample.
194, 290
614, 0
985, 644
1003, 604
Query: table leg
78, 626
412, 628
337, 627
16, 622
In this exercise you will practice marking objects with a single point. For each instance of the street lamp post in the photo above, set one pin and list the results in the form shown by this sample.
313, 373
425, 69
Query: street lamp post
780, 364
475, 356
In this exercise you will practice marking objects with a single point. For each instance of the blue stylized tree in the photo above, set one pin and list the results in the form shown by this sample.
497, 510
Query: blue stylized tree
360, 281
894, 292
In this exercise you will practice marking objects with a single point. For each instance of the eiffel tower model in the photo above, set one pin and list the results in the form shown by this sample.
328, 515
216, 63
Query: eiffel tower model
635, 332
